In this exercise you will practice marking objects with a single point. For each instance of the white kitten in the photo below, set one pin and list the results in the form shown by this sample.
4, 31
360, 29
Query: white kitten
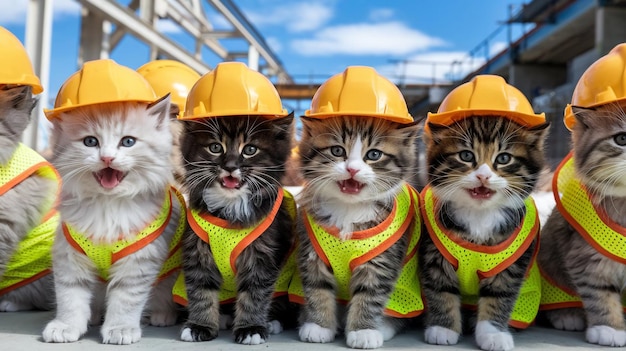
114, 160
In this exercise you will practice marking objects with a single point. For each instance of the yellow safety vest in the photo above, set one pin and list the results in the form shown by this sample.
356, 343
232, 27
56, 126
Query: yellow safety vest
227, 243
475, 262
105, 255
32, 258
343, 256
592, 223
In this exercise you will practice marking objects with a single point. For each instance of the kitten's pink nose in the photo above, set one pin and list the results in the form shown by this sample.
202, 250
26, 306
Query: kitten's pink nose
352, 171
107, 160
484, 178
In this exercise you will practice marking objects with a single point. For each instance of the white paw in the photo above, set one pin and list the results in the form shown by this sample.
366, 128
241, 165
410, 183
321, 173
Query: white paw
311, 332
226, 321
185, 335
387, 330
254, 339
569, 321
437, 335
57, 331
606, 336
274, 327
488, 337
120, 335
364, 339
163, 319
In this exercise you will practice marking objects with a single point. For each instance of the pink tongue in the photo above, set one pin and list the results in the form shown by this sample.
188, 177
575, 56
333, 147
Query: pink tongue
230, 182
109, 178
481, 192
350, 186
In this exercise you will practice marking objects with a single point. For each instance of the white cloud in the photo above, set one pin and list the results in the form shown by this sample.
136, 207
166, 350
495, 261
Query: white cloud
296, 17
389, 38
16, 13
168, 26
381, 14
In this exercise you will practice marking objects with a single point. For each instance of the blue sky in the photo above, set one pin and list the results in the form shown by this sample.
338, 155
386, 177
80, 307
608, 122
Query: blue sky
315, 39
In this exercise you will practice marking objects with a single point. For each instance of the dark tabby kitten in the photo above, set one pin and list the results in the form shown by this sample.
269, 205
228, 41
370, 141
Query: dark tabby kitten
355, 171
482, 170
233, 166
588, 262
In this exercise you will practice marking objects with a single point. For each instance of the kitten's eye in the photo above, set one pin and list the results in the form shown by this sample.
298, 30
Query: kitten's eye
249, 150
620, 139
374, 155
503, 158
90, 141
215, 148
127, 141
466, 156
337, 151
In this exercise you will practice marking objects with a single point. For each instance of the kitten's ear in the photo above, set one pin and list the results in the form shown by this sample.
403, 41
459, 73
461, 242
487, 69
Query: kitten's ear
309, 123
584, 116
435, 132
174, 111
283, 127
540, 133
22, 98
161, 109
410, 130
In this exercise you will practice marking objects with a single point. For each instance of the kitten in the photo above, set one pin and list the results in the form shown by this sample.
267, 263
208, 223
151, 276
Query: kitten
116, 250
482, 170
357, 231
27, 198
583, 260
240, 231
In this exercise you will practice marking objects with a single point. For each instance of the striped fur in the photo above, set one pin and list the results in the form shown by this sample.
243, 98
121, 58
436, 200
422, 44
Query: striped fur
600, 158
475, 154
259, 264
329, 148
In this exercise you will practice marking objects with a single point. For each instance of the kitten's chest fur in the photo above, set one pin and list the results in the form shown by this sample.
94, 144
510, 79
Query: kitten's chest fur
107, 220
481, 226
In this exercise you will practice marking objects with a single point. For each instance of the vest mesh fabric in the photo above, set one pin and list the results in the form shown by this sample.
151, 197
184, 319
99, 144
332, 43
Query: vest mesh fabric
228, 242
104, 256
343, 256
608, 237
32, 258
475, 262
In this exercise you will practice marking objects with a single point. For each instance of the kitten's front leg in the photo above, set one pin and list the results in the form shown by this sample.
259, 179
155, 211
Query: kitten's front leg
318, 317
371, 285
202, 281
497, 298
128, 291
74, 278
440, 287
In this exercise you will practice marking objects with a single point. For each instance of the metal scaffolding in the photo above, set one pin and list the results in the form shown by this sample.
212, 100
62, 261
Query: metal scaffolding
105, 22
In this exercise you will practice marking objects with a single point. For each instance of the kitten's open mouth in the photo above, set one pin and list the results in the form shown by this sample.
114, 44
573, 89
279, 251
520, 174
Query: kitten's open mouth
481, 192
350, 186
231, 183
109, 178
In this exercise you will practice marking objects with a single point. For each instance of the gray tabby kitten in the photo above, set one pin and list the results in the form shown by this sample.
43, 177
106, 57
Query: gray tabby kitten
116, 193
481, 170
592, 276
24, 283
354, 169
233, 169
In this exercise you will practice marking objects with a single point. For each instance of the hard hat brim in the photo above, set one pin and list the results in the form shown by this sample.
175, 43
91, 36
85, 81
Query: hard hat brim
450, 117
55, 112
233, 113
392, 118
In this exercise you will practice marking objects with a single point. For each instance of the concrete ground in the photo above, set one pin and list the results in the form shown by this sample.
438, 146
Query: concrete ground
21, 331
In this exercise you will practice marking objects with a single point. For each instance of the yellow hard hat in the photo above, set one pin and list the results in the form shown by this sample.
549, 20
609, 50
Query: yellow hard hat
359, 91
602, 83
486, 95
233, 89
16, 67
169, 76
101, 81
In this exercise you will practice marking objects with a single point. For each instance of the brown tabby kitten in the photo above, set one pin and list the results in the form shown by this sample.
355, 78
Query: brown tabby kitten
354, 168
599, 152
233, 166
481, 170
